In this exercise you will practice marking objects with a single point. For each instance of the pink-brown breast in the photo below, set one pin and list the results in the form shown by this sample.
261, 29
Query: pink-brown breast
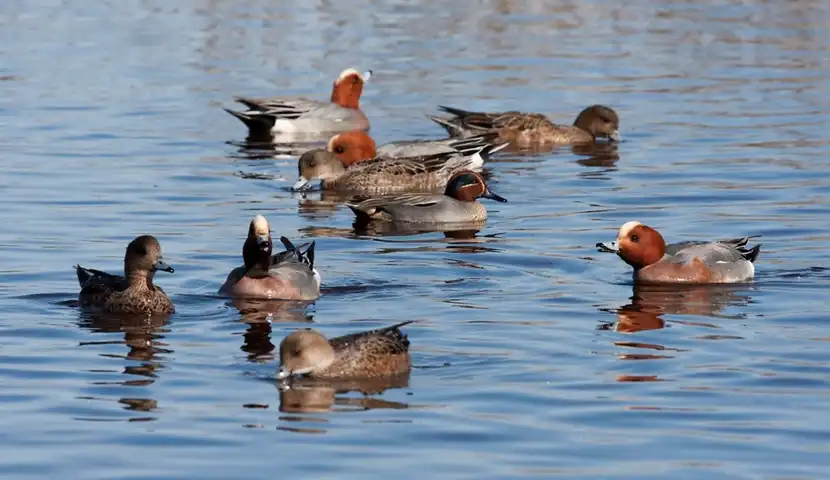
665, 272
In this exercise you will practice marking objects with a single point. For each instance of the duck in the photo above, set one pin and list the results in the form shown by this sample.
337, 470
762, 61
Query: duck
457, 204
133, 293
532, 130
357, 146
423, 173
376, 353
654, 262
268, 117
288, 275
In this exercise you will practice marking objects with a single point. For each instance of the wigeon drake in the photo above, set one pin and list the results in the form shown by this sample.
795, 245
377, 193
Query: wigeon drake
134, 293
376, 353
642, 247
288, 275
297, 115
525, 130
357, 146
423, 173
457, 205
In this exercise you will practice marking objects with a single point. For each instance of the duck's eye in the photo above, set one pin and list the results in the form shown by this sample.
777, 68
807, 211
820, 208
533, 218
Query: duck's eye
635, 238
339, 149
355, 80
297, 352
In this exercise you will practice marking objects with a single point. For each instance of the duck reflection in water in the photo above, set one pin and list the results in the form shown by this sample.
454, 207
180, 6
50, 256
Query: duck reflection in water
308, 395
650, 302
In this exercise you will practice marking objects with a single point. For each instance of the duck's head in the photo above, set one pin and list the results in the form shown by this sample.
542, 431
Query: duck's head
317, 164
637, 244
600, 121
256, 251
143, 257
304, 351
348, 87
467, 186
352, 147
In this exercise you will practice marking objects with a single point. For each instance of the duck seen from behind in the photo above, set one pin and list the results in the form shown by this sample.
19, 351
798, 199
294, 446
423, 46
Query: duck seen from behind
527, 130
642, 247
133, 293
457, 205
375, 353
288, 275
297, 115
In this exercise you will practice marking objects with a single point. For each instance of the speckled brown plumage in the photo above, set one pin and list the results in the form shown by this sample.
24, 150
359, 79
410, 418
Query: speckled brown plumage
133, 293
532, 129
375, 353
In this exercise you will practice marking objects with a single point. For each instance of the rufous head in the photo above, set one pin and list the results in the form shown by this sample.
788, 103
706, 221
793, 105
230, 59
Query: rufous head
348, 87
256, 251
352, 147
304, 352
639, 245
600, 121
467, 186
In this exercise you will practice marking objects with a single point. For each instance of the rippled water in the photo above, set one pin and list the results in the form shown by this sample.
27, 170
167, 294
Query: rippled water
534, 355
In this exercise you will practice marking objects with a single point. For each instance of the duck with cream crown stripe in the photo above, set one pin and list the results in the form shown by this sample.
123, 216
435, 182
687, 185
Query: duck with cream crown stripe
642, 247
288, 275
297, 115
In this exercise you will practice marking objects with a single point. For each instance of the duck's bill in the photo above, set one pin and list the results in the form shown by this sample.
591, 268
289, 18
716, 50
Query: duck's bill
615, 136
283, 373
367, 75
164, 267
301, 185
264, 242
608, 247
493, 196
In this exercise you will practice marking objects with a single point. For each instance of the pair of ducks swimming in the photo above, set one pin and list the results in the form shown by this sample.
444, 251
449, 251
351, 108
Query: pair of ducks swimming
384, 352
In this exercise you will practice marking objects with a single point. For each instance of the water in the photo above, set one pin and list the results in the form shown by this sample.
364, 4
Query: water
531, 357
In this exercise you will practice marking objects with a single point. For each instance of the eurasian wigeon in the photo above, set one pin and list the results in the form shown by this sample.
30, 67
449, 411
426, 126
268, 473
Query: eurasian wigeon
133, 293
457, 205
288, 275
297, 115
642, 247
424, 173
376, 353
525, 130
357, 146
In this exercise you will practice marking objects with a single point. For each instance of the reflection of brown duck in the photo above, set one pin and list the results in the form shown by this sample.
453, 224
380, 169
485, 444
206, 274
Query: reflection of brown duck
142, 335
305, 395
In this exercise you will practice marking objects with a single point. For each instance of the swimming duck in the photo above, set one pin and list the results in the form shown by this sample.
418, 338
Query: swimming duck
642, 247
457, 204
357, 146
387, 174
297, 115
526, 130
288, 275
376, 353
134, 292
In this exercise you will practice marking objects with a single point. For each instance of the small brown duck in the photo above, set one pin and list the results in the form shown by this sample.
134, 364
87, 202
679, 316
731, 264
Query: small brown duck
376, 353
134, 292
526, 130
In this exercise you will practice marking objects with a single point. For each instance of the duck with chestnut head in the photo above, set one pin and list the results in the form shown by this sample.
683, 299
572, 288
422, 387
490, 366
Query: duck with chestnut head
644, 249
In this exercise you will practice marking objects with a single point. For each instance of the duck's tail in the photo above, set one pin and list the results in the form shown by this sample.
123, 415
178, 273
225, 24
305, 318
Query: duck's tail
750, 254
258, 123
453, 129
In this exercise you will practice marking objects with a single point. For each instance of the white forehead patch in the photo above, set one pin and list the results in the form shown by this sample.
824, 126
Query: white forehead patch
260, 225
626, 229
330, 145
347, 72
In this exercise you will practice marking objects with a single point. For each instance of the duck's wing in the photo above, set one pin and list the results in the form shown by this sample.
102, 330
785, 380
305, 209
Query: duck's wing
383, 341
88, 276
389, 204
